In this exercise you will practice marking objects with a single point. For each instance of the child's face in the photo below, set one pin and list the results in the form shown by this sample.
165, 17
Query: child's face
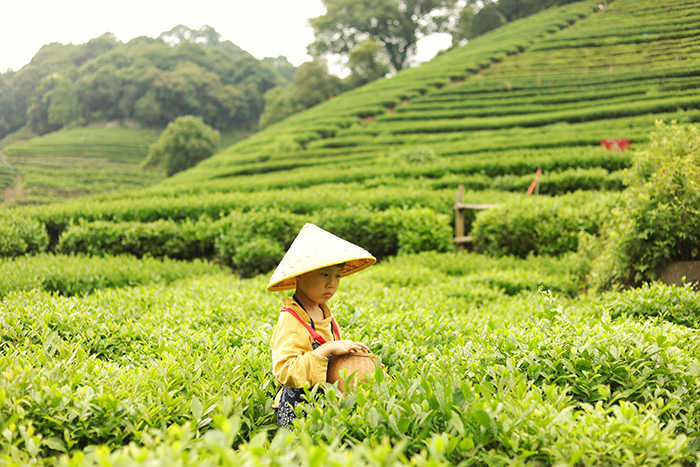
320, 285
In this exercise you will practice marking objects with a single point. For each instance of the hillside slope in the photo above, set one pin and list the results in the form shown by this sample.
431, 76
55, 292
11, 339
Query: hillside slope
545, 89
80, 161
380, 165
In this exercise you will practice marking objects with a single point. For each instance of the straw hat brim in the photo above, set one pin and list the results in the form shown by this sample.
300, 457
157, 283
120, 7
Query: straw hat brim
315, 248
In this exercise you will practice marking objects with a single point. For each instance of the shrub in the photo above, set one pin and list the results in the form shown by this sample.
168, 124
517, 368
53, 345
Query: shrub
659, 221
392, 231
257, 256
375, 231
539, 225
158, 239
423, 229
240, 228
680, 305
421, 155
21, 235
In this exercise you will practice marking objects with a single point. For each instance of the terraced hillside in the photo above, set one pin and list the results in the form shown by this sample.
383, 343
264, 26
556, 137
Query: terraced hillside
80, 161
540, 92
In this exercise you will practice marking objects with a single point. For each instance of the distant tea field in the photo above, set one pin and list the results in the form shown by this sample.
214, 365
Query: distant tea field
83, 161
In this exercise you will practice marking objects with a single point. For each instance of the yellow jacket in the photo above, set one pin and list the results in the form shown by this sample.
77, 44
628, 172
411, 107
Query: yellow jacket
293, 362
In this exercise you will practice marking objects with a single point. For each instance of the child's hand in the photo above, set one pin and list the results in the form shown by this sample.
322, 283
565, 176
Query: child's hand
340, 348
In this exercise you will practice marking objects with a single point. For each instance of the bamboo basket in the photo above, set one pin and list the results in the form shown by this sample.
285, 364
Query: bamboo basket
357, 366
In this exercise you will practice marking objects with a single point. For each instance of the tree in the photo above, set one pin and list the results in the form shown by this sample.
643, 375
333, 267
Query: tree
280, 103
99, 92
487, 19
396, 25
481, 16
38, 112
313, 83
147, 79
185, 142
10, 119
64, 107
366, 64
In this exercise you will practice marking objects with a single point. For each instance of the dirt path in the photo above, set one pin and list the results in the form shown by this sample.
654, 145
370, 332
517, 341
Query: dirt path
14, 191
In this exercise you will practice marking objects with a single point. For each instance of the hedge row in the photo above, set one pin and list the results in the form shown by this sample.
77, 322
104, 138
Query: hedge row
540, 225
253, 242
182, 206
21, 235
556, 183
78, 275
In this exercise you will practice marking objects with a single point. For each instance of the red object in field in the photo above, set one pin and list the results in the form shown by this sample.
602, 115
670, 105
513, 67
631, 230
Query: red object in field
535, 181
615, 144
330, 96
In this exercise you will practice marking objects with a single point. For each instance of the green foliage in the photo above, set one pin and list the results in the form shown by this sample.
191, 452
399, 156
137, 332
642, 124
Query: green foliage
396, 25
679, 305
185, 142
113, 144
160, 238
313, 84
182, 72
487, 19
539, 225
80, 275
81, 161
423, 229
257, 256
180, 374
280, 103
366, 64
415, 156
21, 235
38, 111
658, 221
246, 229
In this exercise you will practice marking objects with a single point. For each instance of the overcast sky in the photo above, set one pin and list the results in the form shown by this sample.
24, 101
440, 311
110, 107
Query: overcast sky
265, 28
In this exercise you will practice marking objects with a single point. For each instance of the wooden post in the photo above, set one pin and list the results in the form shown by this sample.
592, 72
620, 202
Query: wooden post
459, 217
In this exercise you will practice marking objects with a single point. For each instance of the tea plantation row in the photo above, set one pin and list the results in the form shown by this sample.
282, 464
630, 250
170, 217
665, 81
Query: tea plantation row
481, 368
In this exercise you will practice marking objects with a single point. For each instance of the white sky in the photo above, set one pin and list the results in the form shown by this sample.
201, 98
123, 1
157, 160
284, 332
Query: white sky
265, 28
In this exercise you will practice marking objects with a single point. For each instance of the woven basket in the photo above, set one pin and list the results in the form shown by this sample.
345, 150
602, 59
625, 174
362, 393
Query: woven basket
357, 365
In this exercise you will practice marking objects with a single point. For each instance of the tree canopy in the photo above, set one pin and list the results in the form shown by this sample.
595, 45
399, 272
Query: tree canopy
150, 80
480, 16
396, 25
185, 142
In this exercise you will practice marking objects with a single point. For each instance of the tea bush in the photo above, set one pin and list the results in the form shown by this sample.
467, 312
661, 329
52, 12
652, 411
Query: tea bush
239, 228
680, 305
423, 230
475, 373
539, 225
79, 275
658, 221
21, 235
162, 238
257, 256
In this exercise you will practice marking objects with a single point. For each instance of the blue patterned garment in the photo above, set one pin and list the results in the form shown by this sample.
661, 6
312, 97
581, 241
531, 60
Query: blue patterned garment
289, 400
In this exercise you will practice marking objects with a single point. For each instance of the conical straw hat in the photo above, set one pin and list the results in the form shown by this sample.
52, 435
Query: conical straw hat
315, 248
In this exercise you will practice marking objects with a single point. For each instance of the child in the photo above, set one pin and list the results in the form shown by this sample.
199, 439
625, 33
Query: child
306, 335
